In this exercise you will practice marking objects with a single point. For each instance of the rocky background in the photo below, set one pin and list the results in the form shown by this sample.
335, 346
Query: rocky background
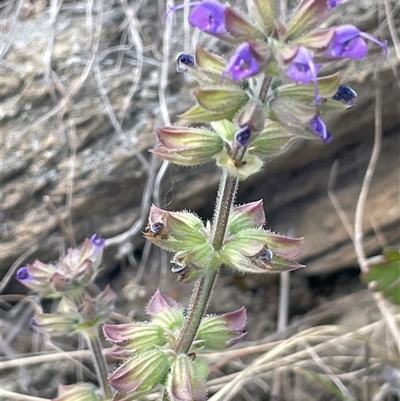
83, 86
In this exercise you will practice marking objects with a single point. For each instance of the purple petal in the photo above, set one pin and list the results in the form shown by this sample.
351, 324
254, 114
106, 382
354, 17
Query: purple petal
242, 64
348, 42
302, 68
319, 127
378, 42
209, 16
97, 240
333, 3
23, 274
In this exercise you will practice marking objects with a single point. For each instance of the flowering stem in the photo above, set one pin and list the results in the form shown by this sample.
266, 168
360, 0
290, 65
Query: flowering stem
204, 286
100, 363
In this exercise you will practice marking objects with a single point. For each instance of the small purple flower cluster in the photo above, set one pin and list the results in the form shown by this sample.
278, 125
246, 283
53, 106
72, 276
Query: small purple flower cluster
68, 280
294, 51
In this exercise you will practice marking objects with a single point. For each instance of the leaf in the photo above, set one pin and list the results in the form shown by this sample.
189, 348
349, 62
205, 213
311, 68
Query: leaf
385, 275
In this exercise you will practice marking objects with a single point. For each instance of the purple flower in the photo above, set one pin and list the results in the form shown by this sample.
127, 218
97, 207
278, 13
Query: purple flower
242, 64
23, 274
348, 42
303, 69
333, 3
97, 241
209, 16
319, 127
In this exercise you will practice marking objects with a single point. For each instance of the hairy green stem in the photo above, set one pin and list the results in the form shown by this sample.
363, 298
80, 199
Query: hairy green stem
100, 363
204, 286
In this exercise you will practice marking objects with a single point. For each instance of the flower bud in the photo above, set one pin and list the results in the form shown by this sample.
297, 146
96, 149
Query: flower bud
135, 337
258, 251
187, 146
175, 231
186, 381
223, 331
141, 373
78, 392
56, 324
36, 276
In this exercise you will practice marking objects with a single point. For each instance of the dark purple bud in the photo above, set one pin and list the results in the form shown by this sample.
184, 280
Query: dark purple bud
33, 322
346, 94
23, 274
208, 16
156, 228
242, 64
348, 42
318, 126
303, 69
184, 60
97, 240
243, 135
266, 255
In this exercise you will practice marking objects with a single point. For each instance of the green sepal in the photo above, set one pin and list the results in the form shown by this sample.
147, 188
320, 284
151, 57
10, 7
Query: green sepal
240, 28
331, 105
248, 215
273, 140
250, 165
327, 87
317, 39
308, 15
135, 337
281, 245
385, 275
141, 373
264, 12
229, 99
186, 380
208, 61
187, 146
201, 257
169, 318
200, 114
225, 129
291, 112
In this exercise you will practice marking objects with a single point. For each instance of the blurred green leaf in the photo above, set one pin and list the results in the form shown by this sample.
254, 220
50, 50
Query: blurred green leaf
327, 383
386, 275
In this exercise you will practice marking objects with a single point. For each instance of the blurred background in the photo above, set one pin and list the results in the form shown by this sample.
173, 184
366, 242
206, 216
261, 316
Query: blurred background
84, 84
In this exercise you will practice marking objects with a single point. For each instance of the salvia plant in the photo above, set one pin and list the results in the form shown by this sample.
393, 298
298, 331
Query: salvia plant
252, 105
